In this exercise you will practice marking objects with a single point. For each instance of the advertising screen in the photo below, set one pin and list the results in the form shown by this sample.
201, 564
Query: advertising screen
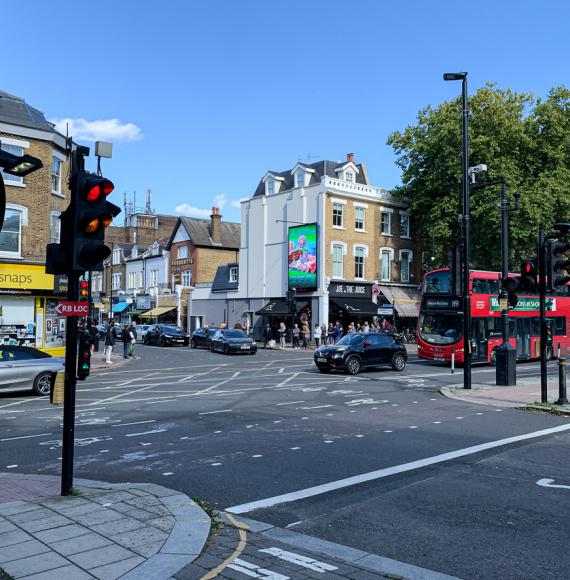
302, 253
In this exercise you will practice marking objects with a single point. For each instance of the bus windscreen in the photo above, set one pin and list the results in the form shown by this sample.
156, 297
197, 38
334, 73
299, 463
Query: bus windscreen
440, 328
437, 282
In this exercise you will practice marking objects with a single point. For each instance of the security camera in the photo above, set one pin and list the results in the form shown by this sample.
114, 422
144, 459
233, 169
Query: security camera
472, 171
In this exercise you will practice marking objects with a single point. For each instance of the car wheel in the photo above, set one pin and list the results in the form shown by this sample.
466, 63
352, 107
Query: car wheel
226, 349
352, 365
186, 343
162, 341
324, 370
194, 345
42, 384
146, 340
399, 362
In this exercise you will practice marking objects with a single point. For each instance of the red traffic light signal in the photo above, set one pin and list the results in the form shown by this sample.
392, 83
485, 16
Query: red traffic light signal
83, 290
529, 276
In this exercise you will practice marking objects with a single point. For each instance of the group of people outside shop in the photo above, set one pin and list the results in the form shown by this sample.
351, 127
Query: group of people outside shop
302, 335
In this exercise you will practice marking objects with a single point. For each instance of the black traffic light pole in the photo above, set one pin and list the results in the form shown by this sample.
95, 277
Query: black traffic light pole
542, 310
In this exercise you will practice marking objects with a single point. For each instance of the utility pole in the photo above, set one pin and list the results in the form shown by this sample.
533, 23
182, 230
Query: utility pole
542, 311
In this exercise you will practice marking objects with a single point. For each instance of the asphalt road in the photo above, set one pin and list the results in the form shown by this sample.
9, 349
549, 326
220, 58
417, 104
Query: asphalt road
242, 429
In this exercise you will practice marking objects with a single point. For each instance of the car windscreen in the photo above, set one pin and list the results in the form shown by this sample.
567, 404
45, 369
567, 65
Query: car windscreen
236, 334
440, 328
171, 328
351, 339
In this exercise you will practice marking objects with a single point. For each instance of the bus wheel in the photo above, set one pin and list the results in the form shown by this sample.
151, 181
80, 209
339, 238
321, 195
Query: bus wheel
548, 353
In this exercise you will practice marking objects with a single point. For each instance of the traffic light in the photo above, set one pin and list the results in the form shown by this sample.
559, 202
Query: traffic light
557, 264
529, 276
83, 356
83, 290
513, 286
92, 214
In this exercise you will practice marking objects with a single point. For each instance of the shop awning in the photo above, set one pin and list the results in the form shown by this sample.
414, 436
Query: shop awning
120, 306
275, 308
406, 301
158, 311
356, 307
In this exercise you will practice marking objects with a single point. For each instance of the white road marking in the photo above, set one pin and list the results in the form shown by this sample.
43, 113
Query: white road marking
299, 560
294, 524
281, 371
236, 374
478, 413
12, 467
549, 483
316, 407
257, 455
216, 432
213, 412
437, 422
135, 423
388, 471
413, 427
295, 448
24, 437
168, 473
145, 433
167, 400
215, 464
254, 571
359, 436
328, 441
289, 403
183, 379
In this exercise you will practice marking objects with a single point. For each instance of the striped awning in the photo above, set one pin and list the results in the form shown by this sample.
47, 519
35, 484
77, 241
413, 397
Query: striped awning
158, 311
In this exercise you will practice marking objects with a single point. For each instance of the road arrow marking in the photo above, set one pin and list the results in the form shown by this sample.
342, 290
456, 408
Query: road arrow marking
548, 483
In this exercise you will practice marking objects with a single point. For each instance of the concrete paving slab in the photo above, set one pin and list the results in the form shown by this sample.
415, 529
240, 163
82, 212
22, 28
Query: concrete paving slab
56, 521
145, 535
120, 526
22, 550
117, 569
63, 533
159, 566
101, 556
14, 537
64, 573
83, 543
34, 564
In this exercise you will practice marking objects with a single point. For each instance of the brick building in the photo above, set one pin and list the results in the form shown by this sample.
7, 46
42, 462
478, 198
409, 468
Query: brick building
33, 205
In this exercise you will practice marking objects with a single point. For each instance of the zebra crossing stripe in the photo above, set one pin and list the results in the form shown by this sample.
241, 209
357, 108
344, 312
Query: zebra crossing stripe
300, 560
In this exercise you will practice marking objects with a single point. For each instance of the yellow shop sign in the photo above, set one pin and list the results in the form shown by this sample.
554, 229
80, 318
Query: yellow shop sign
25, 277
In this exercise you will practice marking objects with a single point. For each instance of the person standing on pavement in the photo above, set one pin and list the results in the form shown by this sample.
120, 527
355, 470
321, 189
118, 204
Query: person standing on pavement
267, 335
133, 341
94, 335
317, 333
126, 340
110, 341
282, 331
306, 335
296, 332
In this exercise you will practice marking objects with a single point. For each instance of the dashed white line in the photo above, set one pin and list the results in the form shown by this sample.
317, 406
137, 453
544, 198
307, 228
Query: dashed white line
145, 433
168, 473
289, 403
315, 407
135, 423
299, 560
11, 466
214, 412
24, 437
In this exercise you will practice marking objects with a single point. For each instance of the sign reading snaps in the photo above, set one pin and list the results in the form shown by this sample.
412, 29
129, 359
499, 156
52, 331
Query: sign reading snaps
24, 277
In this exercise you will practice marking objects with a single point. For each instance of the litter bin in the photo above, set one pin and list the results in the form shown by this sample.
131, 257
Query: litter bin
506, 361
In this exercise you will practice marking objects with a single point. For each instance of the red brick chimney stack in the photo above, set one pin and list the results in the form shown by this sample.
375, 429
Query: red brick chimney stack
216, 226
350, 157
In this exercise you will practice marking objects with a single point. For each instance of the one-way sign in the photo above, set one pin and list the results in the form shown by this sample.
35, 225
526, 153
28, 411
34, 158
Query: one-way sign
68, 308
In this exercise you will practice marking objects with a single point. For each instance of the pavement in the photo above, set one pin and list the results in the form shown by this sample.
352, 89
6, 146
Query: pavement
106, 531
525, 394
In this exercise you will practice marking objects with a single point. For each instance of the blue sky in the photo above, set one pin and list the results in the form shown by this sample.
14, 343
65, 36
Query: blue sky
210, 95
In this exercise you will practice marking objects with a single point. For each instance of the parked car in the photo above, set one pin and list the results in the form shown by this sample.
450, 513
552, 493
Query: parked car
233, 341
141, 329
166, 335
203, 337
354, 352
25, 368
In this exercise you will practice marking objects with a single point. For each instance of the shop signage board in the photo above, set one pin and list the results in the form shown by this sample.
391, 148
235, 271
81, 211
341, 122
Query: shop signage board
524, 303
25, 278
350, 289
302, 257
69, 308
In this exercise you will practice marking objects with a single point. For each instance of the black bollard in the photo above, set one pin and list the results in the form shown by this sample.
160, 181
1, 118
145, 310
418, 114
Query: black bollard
562, 399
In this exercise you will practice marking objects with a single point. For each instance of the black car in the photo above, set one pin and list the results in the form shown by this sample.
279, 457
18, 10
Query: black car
203, 337
233, 340
166, 335
356, 351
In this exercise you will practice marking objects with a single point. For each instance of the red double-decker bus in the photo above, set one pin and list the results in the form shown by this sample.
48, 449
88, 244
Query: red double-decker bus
440, 323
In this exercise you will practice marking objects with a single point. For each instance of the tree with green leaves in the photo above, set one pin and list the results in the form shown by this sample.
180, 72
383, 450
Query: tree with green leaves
524, 140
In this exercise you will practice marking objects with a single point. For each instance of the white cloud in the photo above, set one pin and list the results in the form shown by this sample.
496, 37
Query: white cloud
189, 211
237, 203
102, 130
220, 200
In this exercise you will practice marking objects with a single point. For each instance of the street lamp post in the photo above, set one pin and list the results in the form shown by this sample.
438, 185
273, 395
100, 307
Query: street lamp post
462, 76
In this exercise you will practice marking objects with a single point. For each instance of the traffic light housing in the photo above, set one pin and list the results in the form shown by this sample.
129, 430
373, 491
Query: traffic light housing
83, 356
83, 290
513, 286
529, 276
557, 264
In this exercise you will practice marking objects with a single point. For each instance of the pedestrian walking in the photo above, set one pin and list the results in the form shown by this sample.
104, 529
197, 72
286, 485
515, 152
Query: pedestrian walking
126, 340
133, 337
337, 332
330, 334
110, 341
268, 334
305, 335
317, 333
94, 336
296, 334
366, 327
282, 331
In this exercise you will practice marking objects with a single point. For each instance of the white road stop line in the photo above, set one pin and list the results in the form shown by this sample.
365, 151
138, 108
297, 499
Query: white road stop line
254, 571
300, 560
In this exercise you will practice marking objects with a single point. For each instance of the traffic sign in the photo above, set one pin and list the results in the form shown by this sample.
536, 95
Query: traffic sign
69, 308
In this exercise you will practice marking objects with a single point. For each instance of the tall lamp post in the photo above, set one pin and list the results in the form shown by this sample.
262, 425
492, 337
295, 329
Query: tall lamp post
462, 76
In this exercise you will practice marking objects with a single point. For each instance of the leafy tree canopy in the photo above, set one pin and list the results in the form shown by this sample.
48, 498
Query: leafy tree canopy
524, 140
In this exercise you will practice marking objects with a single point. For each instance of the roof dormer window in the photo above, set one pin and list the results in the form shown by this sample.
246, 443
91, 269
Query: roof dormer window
349, 176
270, 185
300, 179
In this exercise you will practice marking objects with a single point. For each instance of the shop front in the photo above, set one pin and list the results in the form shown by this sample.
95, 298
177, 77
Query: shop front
28, 300
277, 310
351, 302
401, 303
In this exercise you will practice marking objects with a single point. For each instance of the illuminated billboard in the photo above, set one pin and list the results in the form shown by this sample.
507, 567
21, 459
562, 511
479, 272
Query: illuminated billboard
302, 256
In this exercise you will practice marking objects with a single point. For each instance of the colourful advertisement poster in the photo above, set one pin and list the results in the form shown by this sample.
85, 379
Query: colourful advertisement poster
302, 253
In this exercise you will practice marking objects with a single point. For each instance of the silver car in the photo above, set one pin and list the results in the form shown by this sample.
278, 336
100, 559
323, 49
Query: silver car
24, 368
141, 329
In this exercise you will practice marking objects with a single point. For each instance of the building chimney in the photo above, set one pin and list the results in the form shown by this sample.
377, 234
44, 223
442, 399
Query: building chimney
350, 157
216, 226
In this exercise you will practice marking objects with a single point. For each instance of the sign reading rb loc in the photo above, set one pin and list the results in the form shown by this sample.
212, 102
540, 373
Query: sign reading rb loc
68, 308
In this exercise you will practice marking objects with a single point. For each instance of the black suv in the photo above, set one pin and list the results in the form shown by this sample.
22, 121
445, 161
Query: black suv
356, 351
166, 335
202, 337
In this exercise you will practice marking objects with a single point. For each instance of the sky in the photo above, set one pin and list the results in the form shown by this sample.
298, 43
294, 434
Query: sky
202, 98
